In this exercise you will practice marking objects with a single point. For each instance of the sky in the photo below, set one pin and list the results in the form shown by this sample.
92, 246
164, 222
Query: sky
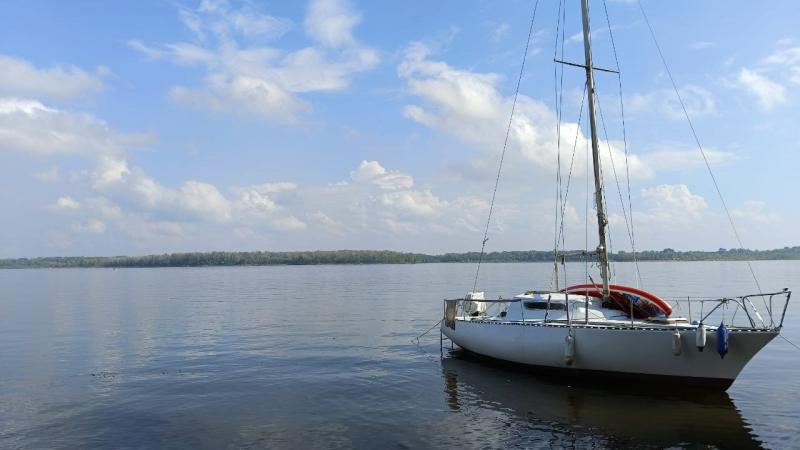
175, 126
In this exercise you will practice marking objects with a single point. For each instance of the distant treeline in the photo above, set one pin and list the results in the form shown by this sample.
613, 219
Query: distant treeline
372, 257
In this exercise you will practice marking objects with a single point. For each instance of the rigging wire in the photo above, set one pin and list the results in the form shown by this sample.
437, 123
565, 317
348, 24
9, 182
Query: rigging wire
697, 140
624, 145
560, 237
559, 96
505, 145
586, 214
628, 225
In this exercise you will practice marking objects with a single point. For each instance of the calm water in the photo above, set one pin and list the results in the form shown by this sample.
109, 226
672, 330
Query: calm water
321, 357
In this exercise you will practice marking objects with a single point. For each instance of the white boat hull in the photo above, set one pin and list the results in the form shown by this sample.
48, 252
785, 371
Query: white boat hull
620, 351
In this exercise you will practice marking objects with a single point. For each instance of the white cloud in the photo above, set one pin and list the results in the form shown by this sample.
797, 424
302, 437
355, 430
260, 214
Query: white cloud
192, 201
63, 204
92, 226
150, 208
701, 45
204, 200
756, 211
271, 188
251, 79
245, 96
254, 24
98, 215
468, 106
375, 173
333, 225
500, 32
331, 22
768, 93
785, 61
578, 37
672, 203
31, 127
768, 80
110, 169
421, 203
144, 229
784, 57
698, 101
288, 223
256, 206
19, 77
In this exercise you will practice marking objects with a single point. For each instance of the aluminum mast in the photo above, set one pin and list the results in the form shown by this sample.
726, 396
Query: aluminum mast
598, 180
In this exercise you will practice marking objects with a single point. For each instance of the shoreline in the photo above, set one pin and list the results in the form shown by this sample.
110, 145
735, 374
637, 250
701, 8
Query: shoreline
363, 257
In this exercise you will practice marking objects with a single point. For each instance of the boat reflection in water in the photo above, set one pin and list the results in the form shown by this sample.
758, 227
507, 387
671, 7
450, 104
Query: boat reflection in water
609, 417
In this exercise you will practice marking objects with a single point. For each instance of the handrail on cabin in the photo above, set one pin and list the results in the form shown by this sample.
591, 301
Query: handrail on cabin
741, 301
501, 300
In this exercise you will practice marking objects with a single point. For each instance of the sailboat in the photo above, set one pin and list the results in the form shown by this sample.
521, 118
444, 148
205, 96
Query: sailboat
620, 333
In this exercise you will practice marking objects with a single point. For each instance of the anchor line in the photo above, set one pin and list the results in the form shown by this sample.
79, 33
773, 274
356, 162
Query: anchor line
415, 341
790, 342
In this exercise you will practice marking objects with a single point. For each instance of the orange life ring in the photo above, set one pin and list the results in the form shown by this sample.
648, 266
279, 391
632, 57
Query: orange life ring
621, 296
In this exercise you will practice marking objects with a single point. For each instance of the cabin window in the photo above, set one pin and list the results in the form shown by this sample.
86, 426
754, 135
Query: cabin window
543, 305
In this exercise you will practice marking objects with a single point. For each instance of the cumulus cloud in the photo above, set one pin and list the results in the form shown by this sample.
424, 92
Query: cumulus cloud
192, 201
418, 203
332, 225
18, 77
468, 106
100, 215
756, 211
66, 203
31, 127
92, 226
28, 126
672, 203
245, 77
256, 205
373, 172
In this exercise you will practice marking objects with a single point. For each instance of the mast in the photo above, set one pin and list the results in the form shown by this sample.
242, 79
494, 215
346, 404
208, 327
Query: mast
602, 253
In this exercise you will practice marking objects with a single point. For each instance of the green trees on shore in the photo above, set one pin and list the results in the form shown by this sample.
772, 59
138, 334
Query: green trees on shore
372, 257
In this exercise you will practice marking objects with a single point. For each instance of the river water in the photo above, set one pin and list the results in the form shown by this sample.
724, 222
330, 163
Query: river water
321, 357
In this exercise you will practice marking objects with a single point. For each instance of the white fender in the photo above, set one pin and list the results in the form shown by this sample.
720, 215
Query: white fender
676, 344
700, 337
569, 349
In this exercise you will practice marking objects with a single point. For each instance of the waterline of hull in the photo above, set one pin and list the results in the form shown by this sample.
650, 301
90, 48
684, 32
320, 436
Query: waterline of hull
617, 353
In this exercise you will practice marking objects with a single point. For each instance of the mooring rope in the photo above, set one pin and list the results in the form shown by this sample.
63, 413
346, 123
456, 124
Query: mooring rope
790, 342
415, 341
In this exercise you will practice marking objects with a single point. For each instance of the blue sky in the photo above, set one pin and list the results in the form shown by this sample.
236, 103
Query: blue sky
168, 126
